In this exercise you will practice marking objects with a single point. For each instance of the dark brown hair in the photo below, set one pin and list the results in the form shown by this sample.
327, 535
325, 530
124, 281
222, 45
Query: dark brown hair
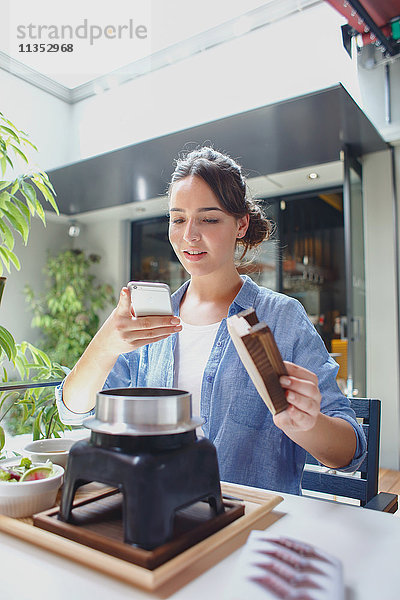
225, 178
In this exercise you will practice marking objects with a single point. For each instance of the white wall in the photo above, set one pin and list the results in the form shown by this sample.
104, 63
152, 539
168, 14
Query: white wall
371, 72
294, 56
47, 121
381, 309
45, 118
14, 313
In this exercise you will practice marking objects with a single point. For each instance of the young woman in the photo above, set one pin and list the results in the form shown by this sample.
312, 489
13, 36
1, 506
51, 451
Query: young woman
210, 214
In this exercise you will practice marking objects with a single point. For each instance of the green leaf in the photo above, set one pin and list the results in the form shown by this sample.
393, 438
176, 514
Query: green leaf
15, 187
4, 257
10, 132
36, 426
47, 181
16, 219
7, 343
29, 194
24, 139
19, 152
32, 195
23, 208
39, 353
46, 193
3, 164
8, 256
4, 184
7, 235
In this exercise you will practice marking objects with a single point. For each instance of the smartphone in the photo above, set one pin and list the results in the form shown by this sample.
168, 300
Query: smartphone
150, 298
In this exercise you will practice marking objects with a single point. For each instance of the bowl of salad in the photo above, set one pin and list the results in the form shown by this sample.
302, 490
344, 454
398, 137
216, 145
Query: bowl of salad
27, 488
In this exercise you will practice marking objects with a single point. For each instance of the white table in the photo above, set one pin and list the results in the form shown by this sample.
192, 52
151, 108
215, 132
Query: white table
367, 542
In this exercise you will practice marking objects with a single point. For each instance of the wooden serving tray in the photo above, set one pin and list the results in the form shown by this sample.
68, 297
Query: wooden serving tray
176, 572
97, 523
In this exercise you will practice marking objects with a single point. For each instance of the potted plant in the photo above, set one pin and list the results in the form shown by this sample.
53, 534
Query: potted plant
19, 202
72, 301
21, 198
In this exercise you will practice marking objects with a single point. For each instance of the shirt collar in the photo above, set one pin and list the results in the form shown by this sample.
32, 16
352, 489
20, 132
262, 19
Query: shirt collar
245, 298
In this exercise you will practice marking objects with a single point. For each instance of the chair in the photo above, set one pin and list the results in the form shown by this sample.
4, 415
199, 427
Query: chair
363, 484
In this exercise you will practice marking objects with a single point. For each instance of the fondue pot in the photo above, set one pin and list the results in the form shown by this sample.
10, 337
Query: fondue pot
143, 411
143, 441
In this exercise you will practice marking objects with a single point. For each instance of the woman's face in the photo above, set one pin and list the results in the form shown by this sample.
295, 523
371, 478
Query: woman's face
202, 234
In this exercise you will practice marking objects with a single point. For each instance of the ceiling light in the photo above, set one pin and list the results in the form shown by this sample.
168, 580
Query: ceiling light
313, 175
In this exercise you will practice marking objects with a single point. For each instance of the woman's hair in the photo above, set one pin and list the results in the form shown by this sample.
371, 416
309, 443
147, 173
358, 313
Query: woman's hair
225, 178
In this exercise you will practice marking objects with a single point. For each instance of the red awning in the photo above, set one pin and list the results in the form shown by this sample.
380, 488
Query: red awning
381, 11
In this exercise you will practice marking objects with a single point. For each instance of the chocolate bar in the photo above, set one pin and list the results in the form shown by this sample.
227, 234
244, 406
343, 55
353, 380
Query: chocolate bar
260, 355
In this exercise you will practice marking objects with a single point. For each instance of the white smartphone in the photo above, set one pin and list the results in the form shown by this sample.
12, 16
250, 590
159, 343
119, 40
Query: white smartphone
150, 298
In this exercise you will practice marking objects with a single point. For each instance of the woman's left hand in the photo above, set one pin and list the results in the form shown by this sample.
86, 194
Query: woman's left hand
304, 400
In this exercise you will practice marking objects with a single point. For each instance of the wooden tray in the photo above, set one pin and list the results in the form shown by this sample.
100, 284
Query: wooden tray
97, 523
175, 573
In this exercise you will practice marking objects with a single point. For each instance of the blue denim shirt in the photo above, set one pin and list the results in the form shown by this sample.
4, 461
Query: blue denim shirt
251, 449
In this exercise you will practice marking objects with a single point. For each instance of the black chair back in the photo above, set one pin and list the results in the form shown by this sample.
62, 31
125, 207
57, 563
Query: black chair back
363, 484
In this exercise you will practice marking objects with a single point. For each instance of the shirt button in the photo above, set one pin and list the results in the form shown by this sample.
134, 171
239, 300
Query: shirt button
219, 344
209, 378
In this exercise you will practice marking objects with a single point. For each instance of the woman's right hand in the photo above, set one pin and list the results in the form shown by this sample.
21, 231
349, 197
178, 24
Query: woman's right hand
123, 332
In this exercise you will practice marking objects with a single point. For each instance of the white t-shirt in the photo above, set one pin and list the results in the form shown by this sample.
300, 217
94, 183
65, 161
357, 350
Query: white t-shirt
192, 350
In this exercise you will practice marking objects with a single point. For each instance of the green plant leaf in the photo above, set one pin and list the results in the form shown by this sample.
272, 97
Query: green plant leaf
16, 219
4, 257
46, 193
2, 438
4, 184
29, 194
36, 426
47, 181
20, 153
39, 354
3, 164
24, 139
15, 187
10, 132
7, 235
23, 208
10, 162
7, 343
8, 256
32, 195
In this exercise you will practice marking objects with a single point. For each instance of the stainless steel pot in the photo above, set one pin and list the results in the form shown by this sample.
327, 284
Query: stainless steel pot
143, 411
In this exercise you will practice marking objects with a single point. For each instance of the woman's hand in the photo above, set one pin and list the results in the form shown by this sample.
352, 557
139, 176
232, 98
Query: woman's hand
123, 332
304, 400
331, 440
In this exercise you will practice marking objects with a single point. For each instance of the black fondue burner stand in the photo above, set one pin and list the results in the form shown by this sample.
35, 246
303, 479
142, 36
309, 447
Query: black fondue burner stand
157, 475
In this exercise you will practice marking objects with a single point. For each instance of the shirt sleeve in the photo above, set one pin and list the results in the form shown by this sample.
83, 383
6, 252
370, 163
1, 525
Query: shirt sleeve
310, 352
67, 416
119, 376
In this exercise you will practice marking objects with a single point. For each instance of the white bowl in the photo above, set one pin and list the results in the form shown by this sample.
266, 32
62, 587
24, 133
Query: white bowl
23, 499
54, 449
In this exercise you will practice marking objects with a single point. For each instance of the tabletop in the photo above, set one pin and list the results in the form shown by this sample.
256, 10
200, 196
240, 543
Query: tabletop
367, 542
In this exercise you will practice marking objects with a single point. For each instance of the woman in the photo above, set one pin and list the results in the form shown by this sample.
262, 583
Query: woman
209, 216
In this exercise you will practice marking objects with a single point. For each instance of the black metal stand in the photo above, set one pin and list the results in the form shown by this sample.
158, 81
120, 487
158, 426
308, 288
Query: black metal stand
157, 475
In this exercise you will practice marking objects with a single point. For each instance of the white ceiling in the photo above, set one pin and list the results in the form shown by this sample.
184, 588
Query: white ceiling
170, 30
167, 22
